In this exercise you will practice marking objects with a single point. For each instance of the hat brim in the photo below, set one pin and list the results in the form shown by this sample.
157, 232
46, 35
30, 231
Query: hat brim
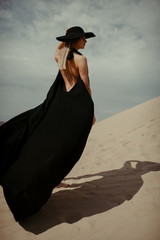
75, 36
89, 35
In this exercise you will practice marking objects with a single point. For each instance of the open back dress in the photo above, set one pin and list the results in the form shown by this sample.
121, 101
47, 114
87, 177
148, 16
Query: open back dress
39, 147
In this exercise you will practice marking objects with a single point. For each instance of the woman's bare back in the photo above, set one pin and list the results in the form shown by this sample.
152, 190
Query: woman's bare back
71, 73
75, 67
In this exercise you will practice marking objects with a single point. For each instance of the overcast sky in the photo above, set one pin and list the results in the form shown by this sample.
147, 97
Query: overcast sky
123, 59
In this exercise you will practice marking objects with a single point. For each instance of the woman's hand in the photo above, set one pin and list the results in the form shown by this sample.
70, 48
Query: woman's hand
94, 120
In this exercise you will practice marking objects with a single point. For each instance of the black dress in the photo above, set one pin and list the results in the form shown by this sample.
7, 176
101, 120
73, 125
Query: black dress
39, 147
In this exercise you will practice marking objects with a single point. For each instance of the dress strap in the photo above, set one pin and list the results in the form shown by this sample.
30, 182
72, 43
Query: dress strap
74, 50
70, 54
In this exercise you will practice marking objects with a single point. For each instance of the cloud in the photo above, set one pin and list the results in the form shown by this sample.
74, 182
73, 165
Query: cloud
123, 58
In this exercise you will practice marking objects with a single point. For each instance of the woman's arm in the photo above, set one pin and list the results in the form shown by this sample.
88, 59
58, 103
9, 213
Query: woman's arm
83, 71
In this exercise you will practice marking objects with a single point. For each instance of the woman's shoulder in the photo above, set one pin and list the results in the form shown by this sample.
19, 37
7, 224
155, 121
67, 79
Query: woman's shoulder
80, 60
80, 57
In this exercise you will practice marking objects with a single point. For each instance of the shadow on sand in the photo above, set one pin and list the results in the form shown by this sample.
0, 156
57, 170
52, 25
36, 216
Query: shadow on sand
90, 198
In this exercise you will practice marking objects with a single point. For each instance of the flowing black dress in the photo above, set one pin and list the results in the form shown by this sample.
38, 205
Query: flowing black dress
39, 147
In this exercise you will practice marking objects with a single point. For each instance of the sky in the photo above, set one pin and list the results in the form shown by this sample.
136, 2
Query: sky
123, 59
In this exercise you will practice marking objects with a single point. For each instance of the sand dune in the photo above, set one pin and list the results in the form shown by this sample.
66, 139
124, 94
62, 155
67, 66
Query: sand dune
115, 191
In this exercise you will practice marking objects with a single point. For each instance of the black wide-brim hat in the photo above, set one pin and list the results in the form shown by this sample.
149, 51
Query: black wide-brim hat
75, 33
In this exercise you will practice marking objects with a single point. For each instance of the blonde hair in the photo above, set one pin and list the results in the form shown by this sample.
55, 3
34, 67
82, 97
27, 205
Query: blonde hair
65, 53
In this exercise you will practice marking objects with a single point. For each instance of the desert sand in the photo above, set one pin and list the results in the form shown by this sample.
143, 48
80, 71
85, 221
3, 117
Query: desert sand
115, 186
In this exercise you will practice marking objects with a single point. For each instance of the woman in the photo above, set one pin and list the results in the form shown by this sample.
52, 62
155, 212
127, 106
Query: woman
77, 63
39, 147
